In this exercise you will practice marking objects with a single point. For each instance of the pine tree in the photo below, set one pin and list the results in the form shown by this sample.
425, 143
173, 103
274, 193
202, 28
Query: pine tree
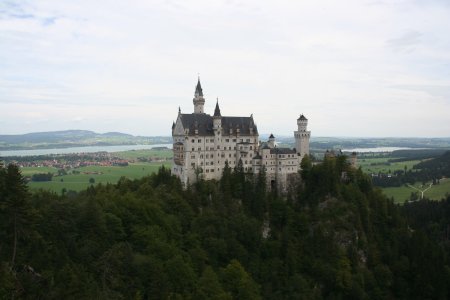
16, 207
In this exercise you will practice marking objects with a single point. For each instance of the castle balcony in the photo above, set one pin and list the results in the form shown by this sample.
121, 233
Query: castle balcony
178, 153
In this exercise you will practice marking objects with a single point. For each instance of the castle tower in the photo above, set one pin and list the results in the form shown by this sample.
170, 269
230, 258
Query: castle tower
271, 141
302, 137
354, 160
198, 100
217, 119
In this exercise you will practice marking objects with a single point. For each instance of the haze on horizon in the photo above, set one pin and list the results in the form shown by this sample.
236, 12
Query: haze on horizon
366, 68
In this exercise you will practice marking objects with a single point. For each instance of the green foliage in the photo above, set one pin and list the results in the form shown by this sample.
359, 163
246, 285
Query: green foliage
337, 237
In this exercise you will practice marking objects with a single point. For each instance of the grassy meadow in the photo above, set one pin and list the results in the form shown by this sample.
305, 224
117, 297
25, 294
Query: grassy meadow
376, 165
402, 193
100, 174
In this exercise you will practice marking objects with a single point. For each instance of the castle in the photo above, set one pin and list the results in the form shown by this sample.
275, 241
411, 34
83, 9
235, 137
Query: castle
202, 144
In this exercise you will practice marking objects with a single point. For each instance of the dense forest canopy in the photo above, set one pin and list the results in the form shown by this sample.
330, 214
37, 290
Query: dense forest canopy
333, 236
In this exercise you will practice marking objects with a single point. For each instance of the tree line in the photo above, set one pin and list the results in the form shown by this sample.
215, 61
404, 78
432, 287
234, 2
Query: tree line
431, 170
333, 236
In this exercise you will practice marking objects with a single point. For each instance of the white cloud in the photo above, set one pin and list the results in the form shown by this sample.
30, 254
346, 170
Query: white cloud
350, 68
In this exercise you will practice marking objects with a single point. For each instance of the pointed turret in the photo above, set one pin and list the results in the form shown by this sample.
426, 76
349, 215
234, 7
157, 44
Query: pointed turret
198, 100
271, 142
217, 109
217, 119
198, 89
302, 117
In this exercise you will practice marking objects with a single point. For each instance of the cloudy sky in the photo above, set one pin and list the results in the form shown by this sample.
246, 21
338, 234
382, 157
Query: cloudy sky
354, 68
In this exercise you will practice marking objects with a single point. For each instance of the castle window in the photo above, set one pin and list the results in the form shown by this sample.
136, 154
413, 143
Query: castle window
193, 141
224, 148
218, 147
199, 141
212, 155
192, 156
234, 140
207, 155
193, 164
227, 140
248, 140
201, 156
199, 148
229, 155
251, 148
193, 149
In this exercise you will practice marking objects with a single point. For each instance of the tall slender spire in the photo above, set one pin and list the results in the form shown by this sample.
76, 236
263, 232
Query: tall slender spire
198, 100
198, 89
217, 109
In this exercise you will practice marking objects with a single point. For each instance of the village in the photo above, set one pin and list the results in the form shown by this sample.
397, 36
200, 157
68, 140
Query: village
78, 160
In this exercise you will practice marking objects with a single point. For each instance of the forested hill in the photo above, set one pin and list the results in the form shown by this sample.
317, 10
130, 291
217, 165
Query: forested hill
334, 236
74, 138
439, 164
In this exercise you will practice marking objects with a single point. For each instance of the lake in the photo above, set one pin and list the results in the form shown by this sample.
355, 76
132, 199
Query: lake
379, 149
87, 149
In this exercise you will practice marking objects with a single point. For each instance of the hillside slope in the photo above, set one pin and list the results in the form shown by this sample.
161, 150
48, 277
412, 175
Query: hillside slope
73, 138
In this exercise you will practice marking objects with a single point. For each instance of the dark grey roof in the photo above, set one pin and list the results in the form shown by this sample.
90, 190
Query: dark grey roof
302, 117
271, 136
282, 151
217, 110
241, 123
257, 156
198, 89
204, 124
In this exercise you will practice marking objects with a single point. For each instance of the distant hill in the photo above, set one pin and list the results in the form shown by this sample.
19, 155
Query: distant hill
74, 138
77, 138
319, 144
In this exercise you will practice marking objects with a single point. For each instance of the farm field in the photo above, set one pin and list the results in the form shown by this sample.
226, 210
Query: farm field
100, 174
376, 165
402, 193
135, 154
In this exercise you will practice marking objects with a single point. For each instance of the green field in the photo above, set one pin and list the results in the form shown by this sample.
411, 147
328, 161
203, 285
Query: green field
402, 193
134, 154
78, 182
436, 192
383, 165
